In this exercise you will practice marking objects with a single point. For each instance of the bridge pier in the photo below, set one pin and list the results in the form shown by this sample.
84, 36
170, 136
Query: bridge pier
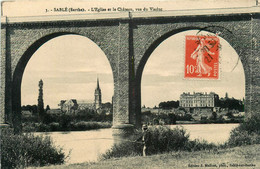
123, 130
124, 107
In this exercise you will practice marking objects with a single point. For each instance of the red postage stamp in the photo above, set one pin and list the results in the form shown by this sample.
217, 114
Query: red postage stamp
202, 57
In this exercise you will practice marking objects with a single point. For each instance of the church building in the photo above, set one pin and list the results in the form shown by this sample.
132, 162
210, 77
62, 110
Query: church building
73, 105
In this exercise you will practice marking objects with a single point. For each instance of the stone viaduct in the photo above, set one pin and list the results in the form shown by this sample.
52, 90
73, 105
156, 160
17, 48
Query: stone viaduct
127, 39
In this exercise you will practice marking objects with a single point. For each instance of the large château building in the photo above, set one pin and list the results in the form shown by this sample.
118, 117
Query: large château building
199, 100
72, 105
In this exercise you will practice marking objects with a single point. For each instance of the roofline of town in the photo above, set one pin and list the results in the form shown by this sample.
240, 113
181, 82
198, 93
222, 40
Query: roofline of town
132, 15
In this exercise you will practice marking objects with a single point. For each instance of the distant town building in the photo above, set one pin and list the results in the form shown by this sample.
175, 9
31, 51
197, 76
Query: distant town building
68, 105
73, 105
199, 100
54, 111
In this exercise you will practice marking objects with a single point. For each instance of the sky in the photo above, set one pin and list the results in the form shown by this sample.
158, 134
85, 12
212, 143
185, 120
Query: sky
69, 66
163, 74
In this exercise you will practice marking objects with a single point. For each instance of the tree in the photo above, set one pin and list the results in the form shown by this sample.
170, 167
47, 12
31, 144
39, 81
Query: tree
213, 116
40, 105
47, 108
229, 114
31, 108
172, 118
169, 105
231, 103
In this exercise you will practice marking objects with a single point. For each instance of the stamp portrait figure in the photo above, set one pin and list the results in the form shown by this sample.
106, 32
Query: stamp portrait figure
198, 55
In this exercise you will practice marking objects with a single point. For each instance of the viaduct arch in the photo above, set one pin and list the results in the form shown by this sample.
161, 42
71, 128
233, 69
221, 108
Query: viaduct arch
127, 39
21, 65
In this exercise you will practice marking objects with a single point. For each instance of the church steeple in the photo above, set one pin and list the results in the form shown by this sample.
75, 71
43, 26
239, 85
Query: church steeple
98, 100
98, 83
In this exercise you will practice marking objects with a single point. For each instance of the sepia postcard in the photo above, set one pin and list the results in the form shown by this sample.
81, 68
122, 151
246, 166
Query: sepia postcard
130, 84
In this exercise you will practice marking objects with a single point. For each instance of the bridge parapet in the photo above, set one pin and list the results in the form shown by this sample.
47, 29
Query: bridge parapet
134, 15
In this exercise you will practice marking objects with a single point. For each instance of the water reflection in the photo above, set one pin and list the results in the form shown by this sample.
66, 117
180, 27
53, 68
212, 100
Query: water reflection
83, 146
213, 133
86, 146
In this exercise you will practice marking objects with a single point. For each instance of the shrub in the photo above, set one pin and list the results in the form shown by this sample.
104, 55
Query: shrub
197, 145
251, 125
22, 150
54, 126
41, 127
83, 125
164, 139
239, 137
125, 149
29, 127
246, 133
161, 139
65, 121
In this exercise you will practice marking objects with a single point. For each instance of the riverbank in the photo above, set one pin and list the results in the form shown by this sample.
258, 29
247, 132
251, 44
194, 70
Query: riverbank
72, 126
96, 142
211, 122
238, 157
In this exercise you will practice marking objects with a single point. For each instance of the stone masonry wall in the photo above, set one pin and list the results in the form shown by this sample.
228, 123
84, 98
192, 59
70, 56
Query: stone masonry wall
2, 80
255, 99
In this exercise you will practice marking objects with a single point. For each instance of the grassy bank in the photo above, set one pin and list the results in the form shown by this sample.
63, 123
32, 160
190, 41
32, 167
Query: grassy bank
244, 155
22, 150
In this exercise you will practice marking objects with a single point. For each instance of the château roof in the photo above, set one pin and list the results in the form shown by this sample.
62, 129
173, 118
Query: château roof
197, 94
71, 100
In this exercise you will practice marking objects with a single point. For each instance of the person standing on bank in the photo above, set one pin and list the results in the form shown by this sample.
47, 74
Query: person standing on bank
145, 139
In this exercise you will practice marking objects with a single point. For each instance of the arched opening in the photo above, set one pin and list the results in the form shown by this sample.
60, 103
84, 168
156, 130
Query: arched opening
163, 76
69, 66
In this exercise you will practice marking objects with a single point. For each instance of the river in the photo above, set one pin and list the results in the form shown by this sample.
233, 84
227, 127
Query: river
86, 146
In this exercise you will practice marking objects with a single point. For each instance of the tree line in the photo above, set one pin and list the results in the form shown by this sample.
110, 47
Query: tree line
230, 103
